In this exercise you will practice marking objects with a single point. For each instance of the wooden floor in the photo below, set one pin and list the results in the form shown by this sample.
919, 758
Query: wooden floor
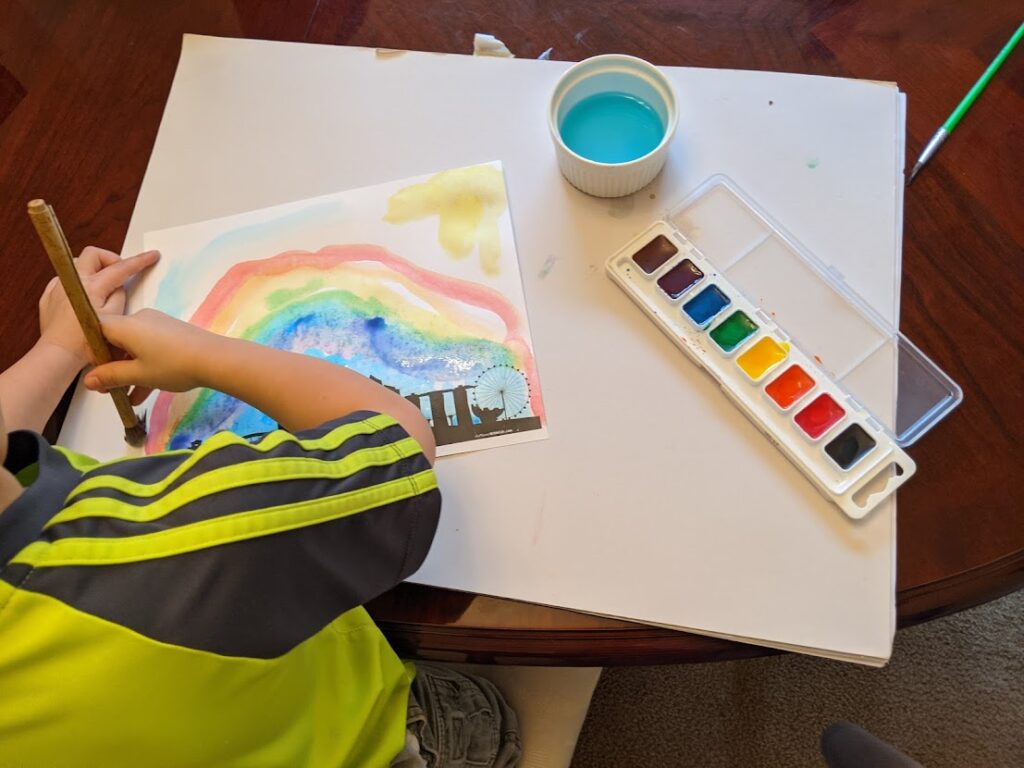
82, 89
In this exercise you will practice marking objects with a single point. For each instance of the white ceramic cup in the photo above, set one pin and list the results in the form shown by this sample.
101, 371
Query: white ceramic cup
601, 74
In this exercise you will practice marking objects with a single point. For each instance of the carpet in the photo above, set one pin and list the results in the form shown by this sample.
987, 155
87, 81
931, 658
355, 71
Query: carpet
952, 696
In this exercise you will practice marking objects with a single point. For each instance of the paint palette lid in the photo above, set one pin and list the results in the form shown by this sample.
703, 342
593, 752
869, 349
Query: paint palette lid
808, 299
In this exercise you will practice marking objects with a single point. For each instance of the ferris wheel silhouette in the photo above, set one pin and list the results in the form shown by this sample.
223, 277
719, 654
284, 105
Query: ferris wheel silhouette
500, 392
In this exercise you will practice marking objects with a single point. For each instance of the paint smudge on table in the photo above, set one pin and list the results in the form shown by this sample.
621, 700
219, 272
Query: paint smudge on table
549, 264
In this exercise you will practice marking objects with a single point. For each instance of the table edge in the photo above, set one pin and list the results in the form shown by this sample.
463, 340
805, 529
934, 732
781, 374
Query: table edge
639, 644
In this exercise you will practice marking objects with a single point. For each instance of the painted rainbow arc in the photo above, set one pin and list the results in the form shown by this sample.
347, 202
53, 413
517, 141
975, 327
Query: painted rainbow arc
361, 306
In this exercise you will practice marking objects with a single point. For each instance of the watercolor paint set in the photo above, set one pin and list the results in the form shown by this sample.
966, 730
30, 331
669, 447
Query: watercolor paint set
809, 362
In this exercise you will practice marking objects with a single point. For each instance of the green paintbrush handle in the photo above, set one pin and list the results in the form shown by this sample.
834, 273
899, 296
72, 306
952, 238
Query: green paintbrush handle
979, 86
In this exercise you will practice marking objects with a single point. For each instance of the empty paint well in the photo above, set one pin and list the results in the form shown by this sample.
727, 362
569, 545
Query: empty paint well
820, 416
733, 331
680, 278
850, 446
762, 357
792, 385
706, 305
654, 254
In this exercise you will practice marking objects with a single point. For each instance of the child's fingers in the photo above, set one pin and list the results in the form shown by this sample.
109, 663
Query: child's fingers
138, 395
114, 303
118, 330
93, 259
108, 257
112, 277
120, 373
50, 288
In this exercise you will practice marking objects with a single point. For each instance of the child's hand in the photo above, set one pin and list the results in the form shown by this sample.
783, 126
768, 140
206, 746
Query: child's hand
161, 353
103, 274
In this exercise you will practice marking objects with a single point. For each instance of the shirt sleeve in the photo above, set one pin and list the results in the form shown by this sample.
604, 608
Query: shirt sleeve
243, 549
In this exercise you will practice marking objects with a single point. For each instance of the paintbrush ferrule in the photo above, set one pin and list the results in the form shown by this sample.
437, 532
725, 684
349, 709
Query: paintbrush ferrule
933, 145
929, 150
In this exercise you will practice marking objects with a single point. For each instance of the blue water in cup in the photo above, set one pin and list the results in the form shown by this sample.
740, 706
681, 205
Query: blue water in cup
612, 127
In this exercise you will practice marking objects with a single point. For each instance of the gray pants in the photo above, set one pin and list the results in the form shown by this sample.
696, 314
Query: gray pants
461, 721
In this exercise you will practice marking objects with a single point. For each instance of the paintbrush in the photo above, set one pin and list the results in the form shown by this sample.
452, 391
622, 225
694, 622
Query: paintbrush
947, 127
56, 245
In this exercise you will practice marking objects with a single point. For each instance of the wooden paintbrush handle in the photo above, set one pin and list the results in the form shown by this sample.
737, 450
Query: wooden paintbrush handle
52, 237
56, 245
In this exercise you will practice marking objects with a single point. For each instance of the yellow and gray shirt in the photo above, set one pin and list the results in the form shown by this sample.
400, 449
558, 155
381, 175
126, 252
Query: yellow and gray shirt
202, 608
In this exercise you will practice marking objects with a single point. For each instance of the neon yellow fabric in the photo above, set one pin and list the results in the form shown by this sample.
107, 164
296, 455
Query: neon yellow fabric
222, 530
223, 479
332, 440
79, 461
28, 475
81, 691
153, 684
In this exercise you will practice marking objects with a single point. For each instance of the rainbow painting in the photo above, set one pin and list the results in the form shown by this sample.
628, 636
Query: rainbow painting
458, 348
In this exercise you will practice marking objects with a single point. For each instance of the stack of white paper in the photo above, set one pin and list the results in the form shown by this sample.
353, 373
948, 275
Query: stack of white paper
634, 506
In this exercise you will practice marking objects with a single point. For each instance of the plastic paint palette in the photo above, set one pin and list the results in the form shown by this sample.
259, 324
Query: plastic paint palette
800, 354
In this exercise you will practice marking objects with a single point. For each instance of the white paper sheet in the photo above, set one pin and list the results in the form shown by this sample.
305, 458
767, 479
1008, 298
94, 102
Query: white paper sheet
413, 282
630, 508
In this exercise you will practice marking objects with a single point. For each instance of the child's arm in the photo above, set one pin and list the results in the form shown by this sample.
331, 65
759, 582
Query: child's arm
298, 391
31, 388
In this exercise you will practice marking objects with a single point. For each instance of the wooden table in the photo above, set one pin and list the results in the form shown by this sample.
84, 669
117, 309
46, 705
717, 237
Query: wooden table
83, 84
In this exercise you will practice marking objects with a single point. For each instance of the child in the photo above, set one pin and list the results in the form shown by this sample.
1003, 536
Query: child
203, 608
